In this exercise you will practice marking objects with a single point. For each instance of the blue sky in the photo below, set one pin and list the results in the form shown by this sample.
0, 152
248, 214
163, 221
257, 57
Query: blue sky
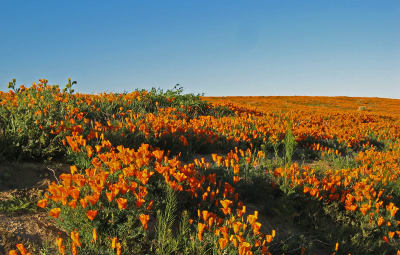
219, 48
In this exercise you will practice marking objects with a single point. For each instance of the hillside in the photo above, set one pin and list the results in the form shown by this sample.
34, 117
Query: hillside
162, 172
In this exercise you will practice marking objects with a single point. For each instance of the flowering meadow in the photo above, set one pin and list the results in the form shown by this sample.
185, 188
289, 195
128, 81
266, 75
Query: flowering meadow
162, 172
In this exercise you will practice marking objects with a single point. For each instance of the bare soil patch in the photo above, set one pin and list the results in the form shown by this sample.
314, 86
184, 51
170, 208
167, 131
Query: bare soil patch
21, 186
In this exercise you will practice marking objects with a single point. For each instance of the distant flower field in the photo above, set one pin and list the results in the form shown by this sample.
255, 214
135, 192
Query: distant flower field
162, 172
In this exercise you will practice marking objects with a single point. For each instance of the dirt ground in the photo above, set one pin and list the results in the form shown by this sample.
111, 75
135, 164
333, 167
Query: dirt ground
26, 182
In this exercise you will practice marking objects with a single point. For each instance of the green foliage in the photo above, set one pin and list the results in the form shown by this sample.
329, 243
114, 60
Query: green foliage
111, 222
68, 87
27, 127
340, 162
27, 132
17, 204
170, 238
165, 222
289, 143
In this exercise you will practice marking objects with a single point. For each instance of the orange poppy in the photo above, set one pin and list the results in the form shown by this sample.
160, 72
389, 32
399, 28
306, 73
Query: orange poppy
222, 243
75, 238
60, 246
91, 214
55, 212
226, 206
73, 169
94, 234
269, 238
380, 221
83, 202
200, 227
22, 249
42, 203
236, 226
144, 218
122, 203
72, 204
150, 205
114, 242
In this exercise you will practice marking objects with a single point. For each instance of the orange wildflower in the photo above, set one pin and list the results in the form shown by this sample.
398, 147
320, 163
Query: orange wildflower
89, 151
75, 238
158, 154
110, 196
73, 249
139, 202
91, 214
118, 248
392, 209
72, 204
269, 238
244, 248
236, 226
73, 169
122, 203
226, 206
144, 218
60, 246
55, 212
256, 227
380, 221
42, 203
22, 249
83, 203
200, 227
114, 242
94, 235
150, 205
222, 243
205, 215
385, 239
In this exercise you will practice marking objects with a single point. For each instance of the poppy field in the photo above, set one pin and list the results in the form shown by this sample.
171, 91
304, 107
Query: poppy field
163, 172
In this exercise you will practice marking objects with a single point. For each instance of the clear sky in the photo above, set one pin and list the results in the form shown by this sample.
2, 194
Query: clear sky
219, 48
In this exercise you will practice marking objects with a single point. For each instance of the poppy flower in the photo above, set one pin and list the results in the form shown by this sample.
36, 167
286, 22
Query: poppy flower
72, 204
60, 246
150, 205
244, 248
74, 251
55, 212
110, 196
73, 169
144, 218
269, 238
91, 214
94, 234
222, 243
114, 242
83, 202
380, 221
22, 249
200, 227
42, 203
122, 203
236, 226
226, 206
75, 238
